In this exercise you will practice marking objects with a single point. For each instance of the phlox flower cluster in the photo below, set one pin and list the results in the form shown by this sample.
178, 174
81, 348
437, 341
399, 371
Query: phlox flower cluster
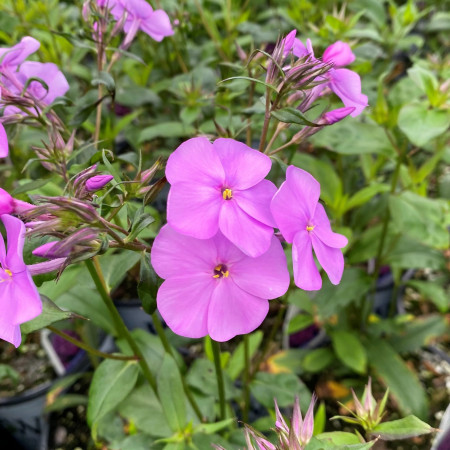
20, 86
218, 254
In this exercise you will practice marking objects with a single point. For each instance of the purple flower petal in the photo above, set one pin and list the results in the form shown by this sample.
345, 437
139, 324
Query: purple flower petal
249, 235
305, 187
255, 201
9, 332
174, 254
288, 42
346, 84
244, 167
23, 289
6, 202
4, 147
306, 275
299, 50
323, 230
194, 209
339, 53
265, 276
184, 301
297, 421
15, 55
289, 217
331, 259
195, 161
157, 26
233, 311
15, 230
227, 253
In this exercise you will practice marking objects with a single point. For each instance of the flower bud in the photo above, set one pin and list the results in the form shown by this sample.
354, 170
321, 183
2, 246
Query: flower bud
336, 115
4, 149
6, 202
98, 182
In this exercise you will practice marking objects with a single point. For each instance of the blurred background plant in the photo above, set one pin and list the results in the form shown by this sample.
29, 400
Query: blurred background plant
385, 184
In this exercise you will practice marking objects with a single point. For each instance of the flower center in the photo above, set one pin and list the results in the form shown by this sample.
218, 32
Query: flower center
221, 271
227, 194
310, 227
5, 275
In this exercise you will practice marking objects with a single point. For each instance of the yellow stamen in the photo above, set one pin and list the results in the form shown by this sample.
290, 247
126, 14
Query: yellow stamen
227, 194
216, 276
226, 273
220, 272
8, 272
310, 227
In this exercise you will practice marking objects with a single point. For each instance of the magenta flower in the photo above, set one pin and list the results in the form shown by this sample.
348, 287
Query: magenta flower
303, 221
19, 298
211, 287
97, 182
11, 58
221, 186
4, 148
49, 73
345, 83
140, 15
6, 202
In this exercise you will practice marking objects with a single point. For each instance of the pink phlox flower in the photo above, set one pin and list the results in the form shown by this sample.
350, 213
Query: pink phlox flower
221, 186
303, 222
19, 298
11, 58
10, 205
47, 72
212, 288
345, 83
4, 147
140, 15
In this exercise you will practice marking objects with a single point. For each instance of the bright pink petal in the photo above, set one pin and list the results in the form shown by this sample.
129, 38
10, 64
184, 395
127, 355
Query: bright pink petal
288, 42
266, 276
306, 275
15, 231
289, 218
23, 291
10, 332
331, 259
249, 235
305, 187
174, 254
322, 229
297, 421
346, 84
227, 252
299, 50
4, 147
157, 25
339, 53
184, 301
233, 311
243, 166
193, 209
255, 201
280, 422
14, 56
308, 424
6, 201
195, 161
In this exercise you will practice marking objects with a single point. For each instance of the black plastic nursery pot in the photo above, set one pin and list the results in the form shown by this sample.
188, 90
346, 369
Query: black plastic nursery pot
134, 316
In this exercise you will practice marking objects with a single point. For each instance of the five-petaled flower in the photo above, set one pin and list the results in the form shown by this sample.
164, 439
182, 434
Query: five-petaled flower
303, 222
211, 287
19, 298
221, 185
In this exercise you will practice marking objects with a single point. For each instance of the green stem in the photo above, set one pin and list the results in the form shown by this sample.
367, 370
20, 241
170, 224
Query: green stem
167, 347
246, 380
219, 375
88, 348
97, 276
266, 121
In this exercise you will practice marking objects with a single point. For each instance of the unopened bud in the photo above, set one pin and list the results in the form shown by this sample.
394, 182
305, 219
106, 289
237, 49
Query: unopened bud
98, 182
336, 115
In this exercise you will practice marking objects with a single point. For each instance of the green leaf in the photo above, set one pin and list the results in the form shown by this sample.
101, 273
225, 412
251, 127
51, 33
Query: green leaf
425, 80
148, 285
397, 375
166, 130
8, 372
282, 386
407, 427
320, 419
326, 444
112, 382
236, 363
421, 124
210, 428
171, 394
365, 194
141, 221
66, 401
349, 350
300, 322
292, 115
31, 186
339, 438
106, 79
116, 265
316, 360
50, 314
432, 291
